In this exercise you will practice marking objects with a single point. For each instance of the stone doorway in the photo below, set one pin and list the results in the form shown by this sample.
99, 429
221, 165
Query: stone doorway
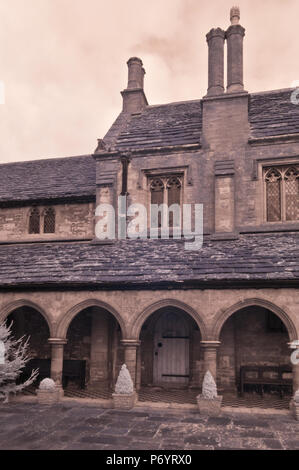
170, 353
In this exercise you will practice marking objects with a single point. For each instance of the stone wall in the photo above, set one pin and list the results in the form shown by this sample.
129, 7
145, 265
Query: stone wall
72, 221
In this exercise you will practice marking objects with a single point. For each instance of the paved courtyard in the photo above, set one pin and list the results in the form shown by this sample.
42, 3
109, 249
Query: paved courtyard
74, 425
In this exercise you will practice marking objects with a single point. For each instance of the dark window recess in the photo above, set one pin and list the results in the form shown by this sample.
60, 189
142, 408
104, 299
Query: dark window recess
49, 220
124, 188
34, 221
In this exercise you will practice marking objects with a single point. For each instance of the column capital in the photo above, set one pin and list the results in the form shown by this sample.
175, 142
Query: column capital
130, 343
57, 341
210, 344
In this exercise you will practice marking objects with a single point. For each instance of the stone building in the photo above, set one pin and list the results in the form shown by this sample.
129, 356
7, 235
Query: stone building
169, 313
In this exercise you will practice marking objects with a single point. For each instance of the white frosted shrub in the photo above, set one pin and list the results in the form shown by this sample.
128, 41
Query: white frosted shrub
124, 383
209, 388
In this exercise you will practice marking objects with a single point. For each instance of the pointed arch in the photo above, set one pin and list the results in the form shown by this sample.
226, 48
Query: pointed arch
66, 320
9, 308
222, 316
148, 311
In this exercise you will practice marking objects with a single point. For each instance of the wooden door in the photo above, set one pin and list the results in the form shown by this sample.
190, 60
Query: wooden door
171, 350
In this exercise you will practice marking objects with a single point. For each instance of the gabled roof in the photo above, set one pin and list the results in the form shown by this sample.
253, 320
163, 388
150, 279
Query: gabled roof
174, 124
52, 178
250, 258
161, 126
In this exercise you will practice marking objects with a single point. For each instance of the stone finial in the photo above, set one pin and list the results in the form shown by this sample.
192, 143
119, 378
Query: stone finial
235, 15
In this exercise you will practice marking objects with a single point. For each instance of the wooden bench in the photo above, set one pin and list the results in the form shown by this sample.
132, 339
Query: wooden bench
276, 376
73, 369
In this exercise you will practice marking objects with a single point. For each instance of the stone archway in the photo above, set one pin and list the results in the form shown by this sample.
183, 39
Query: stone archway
93, 335
67, 318
223, 315
28, 322
10, 307
254, 353
150, 309
170, 351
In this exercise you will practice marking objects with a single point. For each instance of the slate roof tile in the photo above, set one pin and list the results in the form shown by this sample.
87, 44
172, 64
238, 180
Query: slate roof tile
155, 261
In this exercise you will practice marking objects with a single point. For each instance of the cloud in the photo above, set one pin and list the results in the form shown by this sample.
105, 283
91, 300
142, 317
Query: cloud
63, 62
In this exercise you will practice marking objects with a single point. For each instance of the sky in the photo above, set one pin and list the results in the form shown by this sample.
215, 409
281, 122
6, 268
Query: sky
63, 62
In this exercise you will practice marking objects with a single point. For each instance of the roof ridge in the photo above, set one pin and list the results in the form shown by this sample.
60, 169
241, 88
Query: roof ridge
38, 160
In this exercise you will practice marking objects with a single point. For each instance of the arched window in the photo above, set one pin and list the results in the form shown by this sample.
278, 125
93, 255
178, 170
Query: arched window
49, 220
282, 193
273, 195
157, 195
291, 181
34, 220
173, 195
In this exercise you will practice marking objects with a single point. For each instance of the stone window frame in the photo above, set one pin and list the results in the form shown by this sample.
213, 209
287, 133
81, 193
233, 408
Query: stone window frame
260, 167
282, 169
165, 174
42, 211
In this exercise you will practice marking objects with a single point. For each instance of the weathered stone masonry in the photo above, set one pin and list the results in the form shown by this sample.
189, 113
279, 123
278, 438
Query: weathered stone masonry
237, 297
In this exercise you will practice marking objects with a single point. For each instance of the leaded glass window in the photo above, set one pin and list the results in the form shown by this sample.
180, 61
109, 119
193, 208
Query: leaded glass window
34, 220
49, 220
282, 193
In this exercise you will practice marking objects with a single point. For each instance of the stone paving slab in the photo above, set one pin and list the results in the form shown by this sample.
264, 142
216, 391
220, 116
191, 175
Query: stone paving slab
74, 426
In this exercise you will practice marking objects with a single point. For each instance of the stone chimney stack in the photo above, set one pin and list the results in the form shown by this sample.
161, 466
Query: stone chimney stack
134, 99
215, 40
234, 36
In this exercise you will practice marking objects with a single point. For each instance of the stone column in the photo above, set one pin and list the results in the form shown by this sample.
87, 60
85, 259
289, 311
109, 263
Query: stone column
295, 364
130, 346
57, 346
215, 40
234, 36
210, 357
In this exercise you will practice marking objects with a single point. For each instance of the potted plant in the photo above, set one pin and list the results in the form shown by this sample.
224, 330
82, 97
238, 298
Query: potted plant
124, 396
48, 393
209, 403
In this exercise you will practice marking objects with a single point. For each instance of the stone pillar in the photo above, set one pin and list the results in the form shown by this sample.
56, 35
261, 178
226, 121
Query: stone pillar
234, 36
134, 99
296, 376
57, 346
99, 348
295, 364
210, 357
138, 370
215, 40
130, 346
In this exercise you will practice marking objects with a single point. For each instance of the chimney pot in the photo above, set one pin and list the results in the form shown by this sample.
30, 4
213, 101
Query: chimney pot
234, 37
235, 15
134, 99
135, 73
